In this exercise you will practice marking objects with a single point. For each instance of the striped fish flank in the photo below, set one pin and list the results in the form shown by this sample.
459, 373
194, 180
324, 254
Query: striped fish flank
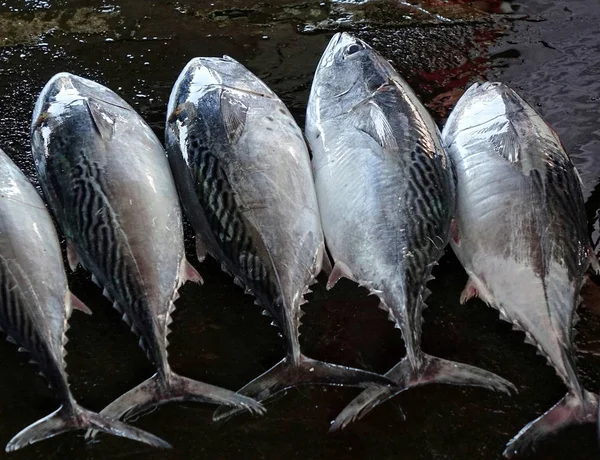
234, 233
95, 226
90, 221
242, 170
17, 319
230, 235
386, 197
35, 306
108, 183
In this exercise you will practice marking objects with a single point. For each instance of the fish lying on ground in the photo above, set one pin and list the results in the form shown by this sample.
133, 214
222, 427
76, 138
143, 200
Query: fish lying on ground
243, 173
521, 234
35, 306
386, 196
106, 177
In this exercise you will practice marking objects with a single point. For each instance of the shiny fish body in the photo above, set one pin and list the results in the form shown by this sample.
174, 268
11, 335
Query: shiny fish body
386, 197
36, 302
253, 203
522, 233
107, 180
243, 173
35, 305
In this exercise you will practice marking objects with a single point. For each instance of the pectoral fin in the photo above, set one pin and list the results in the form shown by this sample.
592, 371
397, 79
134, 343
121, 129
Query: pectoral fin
468, 292
340, 270
189, 273
233, 113
103, 122
200, 249
72, 256
79, 305
326, 266
371, 120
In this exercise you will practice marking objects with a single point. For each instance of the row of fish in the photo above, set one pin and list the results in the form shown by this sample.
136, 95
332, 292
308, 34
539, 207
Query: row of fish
386, 192
514, 214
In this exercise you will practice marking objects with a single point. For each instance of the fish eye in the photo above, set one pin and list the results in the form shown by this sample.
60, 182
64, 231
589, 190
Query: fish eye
353, 48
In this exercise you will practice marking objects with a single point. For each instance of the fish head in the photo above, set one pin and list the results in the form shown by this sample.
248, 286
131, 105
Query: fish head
204, 74
481, 104
493, 117
65, 91
60, 101
74, 116
68, 100
493, 106
349, 71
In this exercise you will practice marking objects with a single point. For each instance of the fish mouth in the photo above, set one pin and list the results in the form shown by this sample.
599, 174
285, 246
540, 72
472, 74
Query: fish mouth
336, 46
202, 74
65, 90
327, 58
488, 89
65, 87
487, 106
489, 86
62, 82
60, 91
335, 50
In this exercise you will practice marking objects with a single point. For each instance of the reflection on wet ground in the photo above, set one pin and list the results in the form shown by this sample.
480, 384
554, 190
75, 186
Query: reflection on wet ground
549, 53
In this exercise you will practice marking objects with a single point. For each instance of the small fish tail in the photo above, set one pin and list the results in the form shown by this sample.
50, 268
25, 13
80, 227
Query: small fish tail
159, 390
570, 410
290, 373
77, 418
405, 376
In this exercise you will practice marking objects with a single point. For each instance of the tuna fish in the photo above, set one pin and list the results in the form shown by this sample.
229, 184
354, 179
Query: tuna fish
521, 234
386, 196
35, 306
106, 177
243, 173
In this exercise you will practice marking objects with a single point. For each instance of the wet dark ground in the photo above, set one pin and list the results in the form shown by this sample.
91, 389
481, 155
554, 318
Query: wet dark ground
548, 51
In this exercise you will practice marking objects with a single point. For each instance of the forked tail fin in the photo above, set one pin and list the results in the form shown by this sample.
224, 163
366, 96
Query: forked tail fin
570, 410
158, 390
432, 370
78, 418
287, 374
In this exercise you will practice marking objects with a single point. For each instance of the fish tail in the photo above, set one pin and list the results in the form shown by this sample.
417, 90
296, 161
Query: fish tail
570, 410
290, 373
406, 375
77, 418
160, 389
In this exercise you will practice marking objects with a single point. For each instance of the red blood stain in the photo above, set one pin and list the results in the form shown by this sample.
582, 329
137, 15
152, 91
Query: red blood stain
446, 85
